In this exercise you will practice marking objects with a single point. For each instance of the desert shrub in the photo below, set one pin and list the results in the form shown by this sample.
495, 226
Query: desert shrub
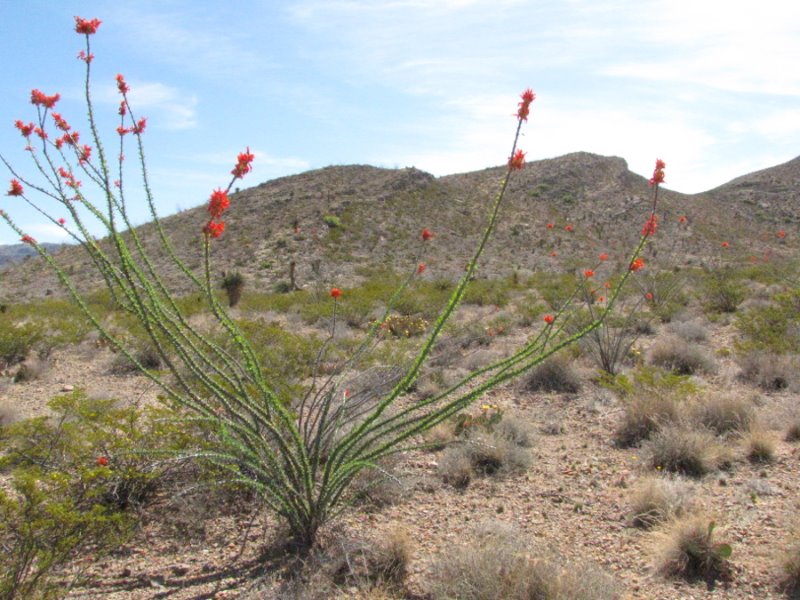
657, 499
769, 371
73, 478
233, 284
489, 292
17, 340
679, 449
772, 328
687, 547
722, 290
556, 374
681, 357
332, 221
144, 353
724, 412
438, 437
404, 325
759, 444
496, 564
48, 519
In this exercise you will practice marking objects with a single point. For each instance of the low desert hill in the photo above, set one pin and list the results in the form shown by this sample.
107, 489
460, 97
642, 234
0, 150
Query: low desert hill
338, 223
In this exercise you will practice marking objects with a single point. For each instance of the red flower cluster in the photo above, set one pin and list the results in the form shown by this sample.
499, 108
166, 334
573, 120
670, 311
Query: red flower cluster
69, 178
525, 106
84, 154
517, 161
41, 99
725, 244
549, 319
682, 219
426, 234
61, 123
25, 130
603, 256
658, 172
550, 225
16, 189
243, 166
648, 296
86, 26
121, 85
637, 264
781, 234
102, 461
569, 228
650, 226
26, 239
68, 138
140, 125
214, 229
218, 203
336, 293
588, 273
421, 268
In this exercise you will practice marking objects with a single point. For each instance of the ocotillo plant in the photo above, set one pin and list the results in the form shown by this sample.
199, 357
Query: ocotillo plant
300, 458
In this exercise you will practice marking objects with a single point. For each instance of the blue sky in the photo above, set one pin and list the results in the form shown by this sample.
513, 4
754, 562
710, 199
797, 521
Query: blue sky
710, 86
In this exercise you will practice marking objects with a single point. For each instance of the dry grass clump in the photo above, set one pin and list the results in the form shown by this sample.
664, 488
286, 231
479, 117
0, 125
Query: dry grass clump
657, 499
689, 331
688, 547
345, 568
790, 565
769, 371
681, 357
505, 448
793, 432
724, 413
499, 565
455, 467
439, 436
379, 486
8, 413
680, 449
759, 444
556, 374
645, 413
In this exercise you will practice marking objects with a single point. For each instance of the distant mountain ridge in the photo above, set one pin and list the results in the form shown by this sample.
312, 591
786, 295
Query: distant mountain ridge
11, 253
382, 211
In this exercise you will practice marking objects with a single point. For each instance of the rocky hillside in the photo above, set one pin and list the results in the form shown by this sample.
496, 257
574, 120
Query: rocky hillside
338, 223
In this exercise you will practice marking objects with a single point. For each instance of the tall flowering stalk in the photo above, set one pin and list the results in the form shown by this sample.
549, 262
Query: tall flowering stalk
299, 458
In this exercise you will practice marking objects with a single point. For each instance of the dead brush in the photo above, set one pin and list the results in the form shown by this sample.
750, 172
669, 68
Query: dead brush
497, 564
657, 499
679, 448
724, 413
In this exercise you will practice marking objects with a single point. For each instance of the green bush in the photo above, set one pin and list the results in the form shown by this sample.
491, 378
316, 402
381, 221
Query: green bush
772, 328
16, 341
72, 479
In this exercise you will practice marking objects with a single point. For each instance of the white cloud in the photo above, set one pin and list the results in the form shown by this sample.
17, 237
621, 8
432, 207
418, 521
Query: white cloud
48, 231
177, 108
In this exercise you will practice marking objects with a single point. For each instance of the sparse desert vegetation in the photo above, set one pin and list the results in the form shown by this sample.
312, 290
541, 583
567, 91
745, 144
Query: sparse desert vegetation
354, 422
